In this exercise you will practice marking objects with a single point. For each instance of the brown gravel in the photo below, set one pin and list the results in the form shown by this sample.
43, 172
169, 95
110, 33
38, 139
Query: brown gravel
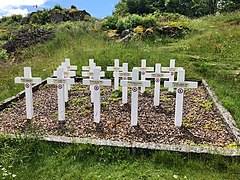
202, 122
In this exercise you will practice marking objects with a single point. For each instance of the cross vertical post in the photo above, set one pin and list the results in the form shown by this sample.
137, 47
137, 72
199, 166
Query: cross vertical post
134, 96
179, 99
96, 82
172, 69
157, 75
143, 69
180, 84
61, 95
28, 93
90, 74
157, 85
135, 83
28, 80
172, 72
143, 73
116, 69
60, 81
125, 77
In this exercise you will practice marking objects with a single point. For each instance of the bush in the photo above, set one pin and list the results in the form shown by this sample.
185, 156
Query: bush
4, 56
109, 23
57, 6
129, 22
73, 7
16, 18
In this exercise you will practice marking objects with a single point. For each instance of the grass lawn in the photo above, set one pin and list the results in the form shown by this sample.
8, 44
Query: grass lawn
35, 159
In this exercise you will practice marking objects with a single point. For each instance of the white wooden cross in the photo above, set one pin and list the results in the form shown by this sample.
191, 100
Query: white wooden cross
135, 83
143, 69
69, 67
96, 82
180, 84
60, 81
157, 75
172, 69
28, 80
125, 74
67, 74
87, 68
90, 73
116, 69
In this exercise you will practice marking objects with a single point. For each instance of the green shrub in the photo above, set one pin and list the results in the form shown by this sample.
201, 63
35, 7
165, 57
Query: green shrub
16, 17
4, 55
110, 23
129, 22
73, 7
57, 6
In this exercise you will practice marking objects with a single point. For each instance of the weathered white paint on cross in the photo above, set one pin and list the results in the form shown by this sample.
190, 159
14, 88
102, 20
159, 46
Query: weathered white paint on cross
180, 84
135, 83
96, 82
60, 81
87, 68
125, 75
116, 69
68, 74
28, 80
68, 65
143, 69
90, 75
172, 69
157, 75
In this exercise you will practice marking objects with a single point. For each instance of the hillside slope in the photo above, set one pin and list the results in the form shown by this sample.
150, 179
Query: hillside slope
210, 51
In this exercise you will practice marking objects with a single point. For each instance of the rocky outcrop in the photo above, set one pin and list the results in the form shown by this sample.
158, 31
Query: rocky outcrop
27, 36
55, 15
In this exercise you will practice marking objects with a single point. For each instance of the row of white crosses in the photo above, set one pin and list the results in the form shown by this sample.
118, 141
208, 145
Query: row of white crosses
63, 80
147, 72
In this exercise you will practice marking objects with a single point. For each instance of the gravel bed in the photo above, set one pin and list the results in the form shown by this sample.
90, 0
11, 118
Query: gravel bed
202, 123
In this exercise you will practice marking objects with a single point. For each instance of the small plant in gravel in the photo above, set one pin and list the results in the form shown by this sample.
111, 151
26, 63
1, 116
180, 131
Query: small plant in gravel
79, 88
206, 104
75, 102
165, 99
187, 125
104, 103
116, 94
147, 91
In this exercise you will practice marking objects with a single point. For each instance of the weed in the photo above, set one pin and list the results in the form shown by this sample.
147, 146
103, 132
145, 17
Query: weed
79, 88
116, 94
147, 91
206, 104
77, 101
104, 103
165, 99
115, 99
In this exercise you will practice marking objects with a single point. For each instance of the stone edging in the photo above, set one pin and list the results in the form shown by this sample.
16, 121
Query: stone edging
227, 117
152, 146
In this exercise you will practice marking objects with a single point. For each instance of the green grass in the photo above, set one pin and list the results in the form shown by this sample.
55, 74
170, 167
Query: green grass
35, 159
211, 51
